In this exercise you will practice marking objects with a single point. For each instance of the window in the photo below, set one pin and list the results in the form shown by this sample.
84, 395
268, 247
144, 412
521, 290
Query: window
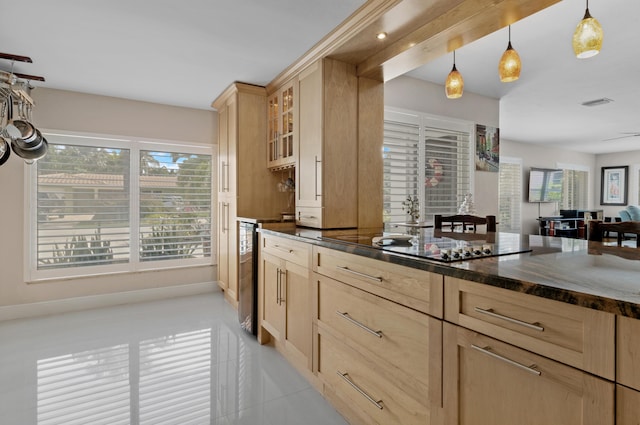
575, 187
426, 157
90, 195
510, 194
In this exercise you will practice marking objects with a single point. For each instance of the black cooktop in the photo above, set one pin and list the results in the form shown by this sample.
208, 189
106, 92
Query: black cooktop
440, 246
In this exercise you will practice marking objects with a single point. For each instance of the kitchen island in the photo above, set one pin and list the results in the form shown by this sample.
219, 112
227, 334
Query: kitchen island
534, 330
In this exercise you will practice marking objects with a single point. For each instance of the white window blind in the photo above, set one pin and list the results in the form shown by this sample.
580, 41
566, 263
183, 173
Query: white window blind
510, 194
447, 150
175, 205
575, 187
82, 207
401, 167
102, 205
426, 157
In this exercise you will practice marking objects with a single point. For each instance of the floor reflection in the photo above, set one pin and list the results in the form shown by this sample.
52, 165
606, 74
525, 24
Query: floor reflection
181, 361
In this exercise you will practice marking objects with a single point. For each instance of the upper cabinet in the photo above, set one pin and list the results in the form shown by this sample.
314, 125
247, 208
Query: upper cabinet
282, 127
327, 165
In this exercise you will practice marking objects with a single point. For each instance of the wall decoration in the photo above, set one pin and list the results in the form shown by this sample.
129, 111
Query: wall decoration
487, 148
614, 185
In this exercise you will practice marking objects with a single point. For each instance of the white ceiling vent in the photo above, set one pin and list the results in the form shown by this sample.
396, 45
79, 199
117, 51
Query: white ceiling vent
597, 102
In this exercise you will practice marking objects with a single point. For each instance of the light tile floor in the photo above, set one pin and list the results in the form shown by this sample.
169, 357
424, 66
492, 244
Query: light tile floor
182, 361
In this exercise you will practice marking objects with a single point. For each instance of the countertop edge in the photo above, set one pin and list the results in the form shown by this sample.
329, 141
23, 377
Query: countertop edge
582, 299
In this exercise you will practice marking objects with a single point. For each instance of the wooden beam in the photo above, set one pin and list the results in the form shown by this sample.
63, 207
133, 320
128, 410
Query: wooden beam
464, 22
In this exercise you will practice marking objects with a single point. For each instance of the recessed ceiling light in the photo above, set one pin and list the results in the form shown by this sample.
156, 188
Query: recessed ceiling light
597, 102
381, 35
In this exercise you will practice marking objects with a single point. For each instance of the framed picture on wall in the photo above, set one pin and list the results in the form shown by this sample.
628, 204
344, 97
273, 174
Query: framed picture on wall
613, 185
487, 148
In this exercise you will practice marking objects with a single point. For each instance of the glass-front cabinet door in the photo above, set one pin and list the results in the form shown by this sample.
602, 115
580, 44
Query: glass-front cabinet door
282, 127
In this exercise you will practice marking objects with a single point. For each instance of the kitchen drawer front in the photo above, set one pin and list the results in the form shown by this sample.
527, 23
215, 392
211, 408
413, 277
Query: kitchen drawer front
358, 383
390, 332
309, 217
287, 249
627, 406
488, 382
413, 288
628, 352
577, 336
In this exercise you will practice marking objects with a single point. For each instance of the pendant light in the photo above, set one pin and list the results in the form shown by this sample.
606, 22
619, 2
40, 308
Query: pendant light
454, 85
587, 38
509, 66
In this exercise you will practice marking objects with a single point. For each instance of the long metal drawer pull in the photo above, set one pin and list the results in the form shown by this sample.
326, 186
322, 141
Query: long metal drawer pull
486, 350
490, 312
358, 324
345, 377
279, 248
368, 276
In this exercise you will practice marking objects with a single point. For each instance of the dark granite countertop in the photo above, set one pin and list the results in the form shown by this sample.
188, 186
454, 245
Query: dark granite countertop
585, 273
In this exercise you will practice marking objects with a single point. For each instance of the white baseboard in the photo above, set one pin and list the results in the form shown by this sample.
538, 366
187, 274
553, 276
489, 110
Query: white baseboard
66, 305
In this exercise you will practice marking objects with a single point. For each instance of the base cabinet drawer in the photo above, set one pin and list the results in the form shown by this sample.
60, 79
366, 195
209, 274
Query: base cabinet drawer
580, 337
418, 289
492, 383
627, 406
388, 331
368, 395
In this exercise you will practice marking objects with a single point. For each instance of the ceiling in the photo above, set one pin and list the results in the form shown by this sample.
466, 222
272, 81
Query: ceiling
176, 52
185, 53
545, 105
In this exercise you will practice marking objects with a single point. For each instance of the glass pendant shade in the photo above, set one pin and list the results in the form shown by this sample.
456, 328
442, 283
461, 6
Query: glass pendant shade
454, 85
587, 39
509, 66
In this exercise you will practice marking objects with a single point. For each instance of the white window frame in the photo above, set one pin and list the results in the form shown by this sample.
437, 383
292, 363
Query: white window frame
424, 120
519, 162
135, 145
590, 174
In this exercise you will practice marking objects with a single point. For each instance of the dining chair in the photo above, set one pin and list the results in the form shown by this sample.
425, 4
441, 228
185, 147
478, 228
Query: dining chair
598, 230
465, 222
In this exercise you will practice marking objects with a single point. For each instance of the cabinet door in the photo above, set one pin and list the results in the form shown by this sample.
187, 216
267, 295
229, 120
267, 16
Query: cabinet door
298, 310
223, 245
223, 150
273, 128
232, 234
309, 169
288, 124
273, 308
232, 147
488, 382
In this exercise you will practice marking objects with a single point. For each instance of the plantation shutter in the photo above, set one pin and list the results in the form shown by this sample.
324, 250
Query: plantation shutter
400, 155
510, 195
575, 188
82, 207
447, 171
175, 205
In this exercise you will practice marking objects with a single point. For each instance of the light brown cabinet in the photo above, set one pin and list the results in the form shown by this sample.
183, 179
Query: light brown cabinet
327, 158
380, 361
285, 300
580, 337
627, 406
282, 127
488, 382
245, 187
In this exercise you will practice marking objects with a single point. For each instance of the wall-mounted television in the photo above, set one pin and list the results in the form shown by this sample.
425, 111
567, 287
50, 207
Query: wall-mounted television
545, 185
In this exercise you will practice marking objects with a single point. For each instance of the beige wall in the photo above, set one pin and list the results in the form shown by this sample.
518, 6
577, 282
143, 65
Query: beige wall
631, 159
544, 157
69, 111
417, 95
